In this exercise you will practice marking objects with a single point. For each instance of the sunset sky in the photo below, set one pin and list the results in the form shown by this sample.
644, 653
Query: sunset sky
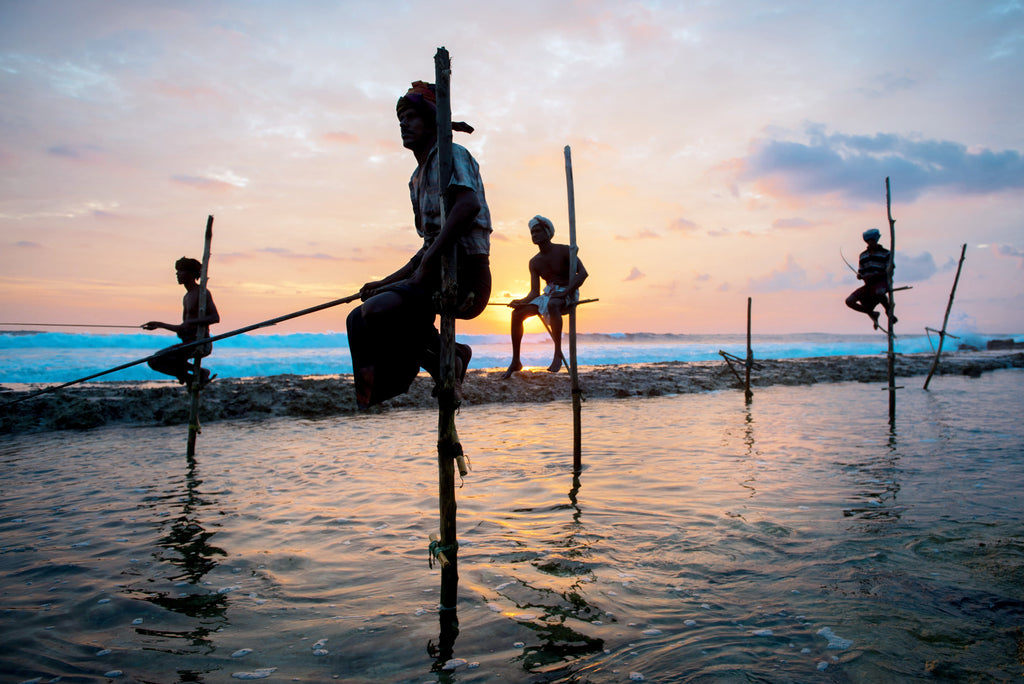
721, 150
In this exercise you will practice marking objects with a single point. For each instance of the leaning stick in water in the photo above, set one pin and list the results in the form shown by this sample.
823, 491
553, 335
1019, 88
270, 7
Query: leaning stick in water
945, 320
192, 345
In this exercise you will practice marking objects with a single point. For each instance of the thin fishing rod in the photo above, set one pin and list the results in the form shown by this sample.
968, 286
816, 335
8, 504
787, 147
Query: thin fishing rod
847, 262
510, 304
191, 345
74, 325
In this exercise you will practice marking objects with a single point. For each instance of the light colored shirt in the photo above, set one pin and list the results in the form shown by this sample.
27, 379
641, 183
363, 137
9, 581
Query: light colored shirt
426, 200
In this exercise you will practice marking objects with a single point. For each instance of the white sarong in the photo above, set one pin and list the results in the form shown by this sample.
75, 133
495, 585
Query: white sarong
541, 302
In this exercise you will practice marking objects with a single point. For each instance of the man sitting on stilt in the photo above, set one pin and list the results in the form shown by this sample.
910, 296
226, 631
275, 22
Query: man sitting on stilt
552, 263
874, 262
192, 327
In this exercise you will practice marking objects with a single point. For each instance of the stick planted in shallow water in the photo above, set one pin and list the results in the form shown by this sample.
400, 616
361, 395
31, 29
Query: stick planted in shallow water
197, 362
945, 320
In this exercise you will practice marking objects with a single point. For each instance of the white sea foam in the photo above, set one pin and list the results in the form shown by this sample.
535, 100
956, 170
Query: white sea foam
834, 641
60, 357
261, 673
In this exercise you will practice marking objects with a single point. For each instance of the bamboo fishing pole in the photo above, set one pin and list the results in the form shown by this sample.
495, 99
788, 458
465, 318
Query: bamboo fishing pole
73, 325
191, 345
511, 305
945, 320
197, 377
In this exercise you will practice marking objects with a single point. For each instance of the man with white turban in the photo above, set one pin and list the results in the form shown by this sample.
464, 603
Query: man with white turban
552, 263
874, 262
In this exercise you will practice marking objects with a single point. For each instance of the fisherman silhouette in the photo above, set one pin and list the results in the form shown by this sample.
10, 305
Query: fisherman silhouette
552, 263
192, 327
873, 270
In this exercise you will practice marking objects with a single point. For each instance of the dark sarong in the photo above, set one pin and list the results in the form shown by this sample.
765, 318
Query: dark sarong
388, 352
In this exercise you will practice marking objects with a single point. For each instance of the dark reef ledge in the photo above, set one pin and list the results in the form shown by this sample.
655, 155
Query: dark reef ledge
111, 403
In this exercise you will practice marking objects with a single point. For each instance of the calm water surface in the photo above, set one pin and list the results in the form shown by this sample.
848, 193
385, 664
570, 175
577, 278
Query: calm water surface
798, 539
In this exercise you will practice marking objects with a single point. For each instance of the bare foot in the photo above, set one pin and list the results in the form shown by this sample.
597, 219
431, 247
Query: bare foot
513, 367
874, 319
556, 364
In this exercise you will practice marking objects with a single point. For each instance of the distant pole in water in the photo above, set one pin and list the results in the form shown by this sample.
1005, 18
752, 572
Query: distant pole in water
193, 413
748, 363
945, 320
449, 448
577, 429
890, 305
750, 358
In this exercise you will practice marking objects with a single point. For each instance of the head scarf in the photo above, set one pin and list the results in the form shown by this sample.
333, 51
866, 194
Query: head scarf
549, 227
188, 265
422, 97
871, 234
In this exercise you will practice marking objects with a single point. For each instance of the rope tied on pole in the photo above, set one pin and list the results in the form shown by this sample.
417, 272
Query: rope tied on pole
439, 551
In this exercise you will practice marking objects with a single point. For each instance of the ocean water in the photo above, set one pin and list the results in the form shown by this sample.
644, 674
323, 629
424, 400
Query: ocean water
800, 538
57, 357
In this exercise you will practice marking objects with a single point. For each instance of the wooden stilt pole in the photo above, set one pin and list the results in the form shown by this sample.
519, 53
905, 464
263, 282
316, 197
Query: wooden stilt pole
448, 445
945, 320
890, 305
577, 399
193, 413
750, 357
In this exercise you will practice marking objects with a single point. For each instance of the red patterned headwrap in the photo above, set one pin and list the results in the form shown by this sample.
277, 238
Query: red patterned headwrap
422, 97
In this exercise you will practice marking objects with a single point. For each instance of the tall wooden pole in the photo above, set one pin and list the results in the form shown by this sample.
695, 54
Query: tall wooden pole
750, 357
945, 320
890, 305
448, 445
193, 413
577, 429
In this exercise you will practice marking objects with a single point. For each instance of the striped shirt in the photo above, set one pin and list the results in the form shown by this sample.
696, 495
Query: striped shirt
873, 264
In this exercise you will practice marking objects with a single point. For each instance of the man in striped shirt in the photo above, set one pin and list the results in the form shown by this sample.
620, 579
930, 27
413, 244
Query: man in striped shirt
874, 261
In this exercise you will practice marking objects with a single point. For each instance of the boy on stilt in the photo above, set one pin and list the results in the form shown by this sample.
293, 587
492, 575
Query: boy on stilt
192, 327
552, 263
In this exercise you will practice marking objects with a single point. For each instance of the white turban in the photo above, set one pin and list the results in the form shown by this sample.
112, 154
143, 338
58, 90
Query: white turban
549, 227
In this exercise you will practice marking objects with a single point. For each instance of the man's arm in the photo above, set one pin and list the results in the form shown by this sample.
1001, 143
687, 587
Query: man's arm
576, 281
534, 288
153, 325
212, 316
401, 274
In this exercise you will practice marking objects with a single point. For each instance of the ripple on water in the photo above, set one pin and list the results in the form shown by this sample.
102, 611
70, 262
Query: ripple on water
704, 539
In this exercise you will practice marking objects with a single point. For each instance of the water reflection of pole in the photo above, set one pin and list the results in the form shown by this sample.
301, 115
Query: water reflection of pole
189, 540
